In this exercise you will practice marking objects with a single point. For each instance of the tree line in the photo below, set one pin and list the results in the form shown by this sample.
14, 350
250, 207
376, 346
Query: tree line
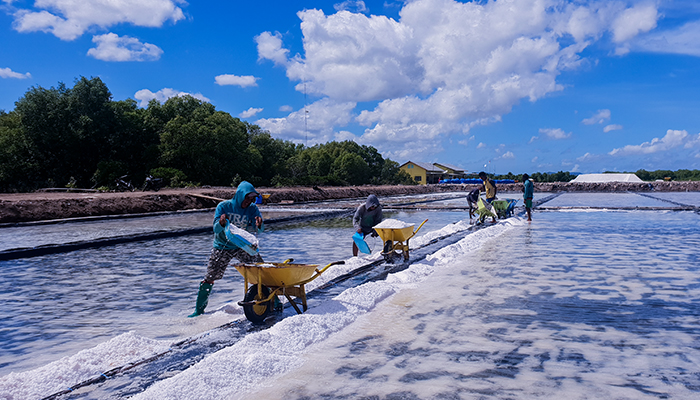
80, 137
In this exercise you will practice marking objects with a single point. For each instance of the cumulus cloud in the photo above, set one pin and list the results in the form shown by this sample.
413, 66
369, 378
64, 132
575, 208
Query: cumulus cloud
630, 22
286, 108
8, 73
234, 80
671, 140
352, 6
69, 19
507, 155
445, 66
313, 125
145, 95
270, 48
555, 134
112, 47
681, 40
598, 118
249, 112
481, 145
612, 127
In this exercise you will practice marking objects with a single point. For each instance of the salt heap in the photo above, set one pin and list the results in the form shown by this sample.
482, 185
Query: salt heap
392, 224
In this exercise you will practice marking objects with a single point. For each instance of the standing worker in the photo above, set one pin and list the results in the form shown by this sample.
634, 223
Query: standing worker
490, 188
528, 190
242, 212
366, 217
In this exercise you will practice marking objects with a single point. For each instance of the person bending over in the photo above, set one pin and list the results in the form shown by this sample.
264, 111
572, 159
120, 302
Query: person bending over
366, 217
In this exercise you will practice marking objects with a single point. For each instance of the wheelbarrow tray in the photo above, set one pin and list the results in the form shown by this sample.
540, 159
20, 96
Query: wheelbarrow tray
485, 209
504, 207
395, 234
276, 274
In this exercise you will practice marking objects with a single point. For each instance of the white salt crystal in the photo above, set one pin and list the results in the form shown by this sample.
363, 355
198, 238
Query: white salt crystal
392, 224
244, 234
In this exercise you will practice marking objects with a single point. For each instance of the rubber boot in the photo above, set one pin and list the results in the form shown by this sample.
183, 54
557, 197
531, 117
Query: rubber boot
202, 299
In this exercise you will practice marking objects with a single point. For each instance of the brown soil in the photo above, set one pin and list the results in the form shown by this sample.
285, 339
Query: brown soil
51, 205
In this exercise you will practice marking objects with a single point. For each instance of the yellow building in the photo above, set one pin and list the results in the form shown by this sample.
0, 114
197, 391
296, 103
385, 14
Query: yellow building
423, 173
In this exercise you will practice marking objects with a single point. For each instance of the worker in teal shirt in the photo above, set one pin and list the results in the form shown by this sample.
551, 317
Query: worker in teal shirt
242, 212
528, 191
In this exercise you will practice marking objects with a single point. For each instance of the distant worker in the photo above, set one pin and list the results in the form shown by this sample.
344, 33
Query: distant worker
242, 212
490, 188
366, 217
473, 200
528, 190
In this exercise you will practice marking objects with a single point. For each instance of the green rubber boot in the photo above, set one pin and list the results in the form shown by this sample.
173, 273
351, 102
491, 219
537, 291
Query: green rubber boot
202, 299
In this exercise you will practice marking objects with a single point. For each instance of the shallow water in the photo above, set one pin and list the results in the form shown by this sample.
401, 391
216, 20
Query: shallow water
576, 305
57, 305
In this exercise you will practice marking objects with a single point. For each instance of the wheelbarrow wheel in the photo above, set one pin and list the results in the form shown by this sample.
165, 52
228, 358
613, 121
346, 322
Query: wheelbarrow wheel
256, 313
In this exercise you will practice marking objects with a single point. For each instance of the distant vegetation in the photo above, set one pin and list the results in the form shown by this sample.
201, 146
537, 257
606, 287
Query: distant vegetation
79, 137
540, 176
679, 175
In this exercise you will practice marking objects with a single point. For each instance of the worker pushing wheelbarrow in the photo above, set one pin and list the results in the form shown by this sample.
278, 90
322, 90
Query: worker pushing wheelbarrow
395, 235
268, 280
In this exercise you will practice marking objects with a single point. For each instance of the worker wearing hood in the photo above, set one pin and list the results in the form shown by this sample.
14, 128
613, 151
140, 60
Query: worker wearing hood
366, 217
242, 212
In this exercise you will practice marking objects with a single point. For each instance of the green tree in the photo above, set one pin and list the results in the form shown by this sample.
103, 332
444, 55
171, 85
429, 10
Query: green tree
207, 145
18, 168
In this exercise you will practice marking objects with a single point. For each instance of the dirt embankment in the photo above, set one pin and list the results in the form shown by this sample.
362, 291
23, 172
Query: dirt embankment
48, 205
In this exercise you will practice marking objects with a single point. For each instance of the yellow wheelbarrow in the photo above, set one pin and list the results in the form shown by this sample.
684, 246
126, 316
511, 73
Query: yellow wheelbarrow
395, 240
268, 280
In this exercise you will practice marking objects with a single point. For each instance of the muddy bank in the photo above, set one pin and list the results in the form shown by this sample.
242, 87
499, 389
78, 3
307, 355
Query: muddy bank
39, 206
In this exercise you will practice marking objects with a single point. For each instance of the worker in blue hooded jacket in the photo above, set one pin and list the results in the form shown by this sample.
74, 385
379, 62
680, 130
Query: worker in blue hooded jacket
242, 212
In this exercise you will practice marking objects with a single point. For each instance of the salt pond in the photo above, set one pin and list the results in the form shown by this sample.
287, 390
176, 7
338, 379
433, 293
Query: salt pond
583, 304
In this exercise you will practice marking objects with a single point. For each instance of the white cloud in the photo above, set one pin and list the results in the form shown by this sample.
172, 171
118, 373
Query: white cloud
112, 47
534, 159
270, 48
316, 126
249, 112
598, 118
446, 65
286, 108
69, 19
586, 157
681, 40
481, 145
465, 142
234, 80
555, 134
532, 139
145, 95
507, 155
632, 21
352, 6
8, 73
612, 127
673, 139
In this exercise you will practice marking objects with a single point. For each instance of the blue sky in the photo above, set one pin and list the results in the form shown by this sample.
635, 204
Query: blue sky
504, 86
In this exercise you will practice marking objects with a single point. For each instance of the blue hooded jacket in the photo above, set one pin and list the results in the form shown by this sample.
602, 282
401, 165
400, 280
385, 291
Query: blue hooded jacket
243, 218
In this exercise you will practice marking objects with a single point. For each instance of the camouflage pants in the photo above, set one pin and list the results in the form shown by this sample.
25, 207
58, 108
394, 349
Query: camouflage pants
219, 259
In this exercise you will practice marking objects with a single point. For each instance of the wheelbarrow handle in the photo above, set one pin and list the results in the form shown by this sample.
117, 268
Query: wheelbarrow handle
419, 226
